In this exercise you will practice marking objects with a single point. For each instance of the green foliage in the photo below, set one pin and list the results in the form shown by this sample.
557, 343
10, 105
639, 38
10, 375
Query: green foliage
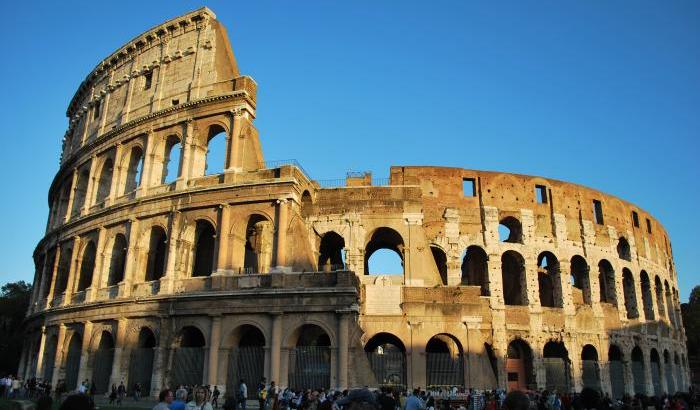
691, 321
14, 301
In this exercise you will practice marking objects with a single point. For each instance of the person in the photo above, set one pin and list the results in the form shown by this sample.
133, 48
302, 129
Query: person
121, 393
78, 402
242, 394
137, 391
215, 397
165, 397
413, 402
516, 400
180, 400
271, 401
113, 394
200, 400
359, 399
262, 393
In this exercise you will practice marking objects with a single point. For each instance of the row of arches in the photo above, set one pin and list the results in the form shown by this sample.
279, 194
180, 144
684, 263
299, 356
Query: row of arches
120, 171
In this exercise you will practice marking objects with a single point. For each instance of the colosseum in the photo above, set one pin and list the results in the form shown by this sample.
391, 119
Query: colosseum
159, 268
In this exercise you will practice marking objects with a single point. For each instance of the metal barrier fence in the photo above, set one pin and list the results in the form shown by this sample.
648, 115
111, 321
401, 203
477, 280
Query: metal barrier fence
245, 363
444, 369
102, 369
640, 384
389, 368
558, 374
141, 368
187, 367
310, 367
617, 379
591, 374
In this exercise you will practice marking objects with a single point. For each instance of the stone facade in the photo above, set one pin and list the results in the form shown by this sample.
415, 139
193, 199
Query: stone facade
192, 276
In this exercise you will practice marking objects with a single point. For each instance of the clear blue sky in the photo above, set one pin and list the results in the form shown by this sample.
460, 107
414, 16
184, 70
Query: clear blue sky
602, 93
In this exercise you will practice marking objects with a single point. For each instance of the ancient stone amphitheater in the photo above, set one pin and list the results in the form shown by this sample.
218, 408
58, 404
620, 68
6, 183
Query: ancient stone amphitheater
159, 269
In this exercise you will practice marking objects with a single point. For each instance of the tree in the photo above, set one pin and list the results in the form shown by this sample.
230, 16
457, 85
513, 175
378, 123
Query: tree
14, 302
691, 321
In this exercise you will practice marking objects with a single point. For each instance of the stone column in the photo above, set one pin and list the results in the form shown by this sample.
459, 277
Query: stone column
148, 158
114, 188
23, 361
58, 359
627, 375
343, 349
85, 372
187, 155
132, 254
46, 280
54, 270
87, 202
39, 373
71, 197
275, 346
167, 281
122, 329
235, 155
214, 344
92, 291
417, 373
72, 272
281, 244
223, 243
160, 358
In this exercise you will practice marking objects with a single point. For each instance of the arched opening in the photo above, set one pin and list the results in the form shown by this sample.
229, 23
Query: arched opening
80, 190
306, 204
590, 370
444, 361
668, 367
104, 184
117, 261
387, 358
258, 245
440, 262
519, 369
63, 204
623, 249
617, 372
171, 161
72, 365
514, 281
141, 360
188, 358
510, 230
606, 279
103, 360
679, 372
310, 359
246, 358
647, 296
64, 262
204, 239
216, 151
557, 367
134, 170
669, 306
656, 372
548, 278
659, 297
384, 253
157, 248
630, 294
330, 256
581, 291
638, 372
50, 358
87, 266
475, 270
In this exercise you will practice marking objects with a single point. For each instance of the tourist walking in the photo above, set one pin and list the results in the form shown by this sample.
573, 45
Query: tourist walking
180, 402
242, 394
200, 400
164, 399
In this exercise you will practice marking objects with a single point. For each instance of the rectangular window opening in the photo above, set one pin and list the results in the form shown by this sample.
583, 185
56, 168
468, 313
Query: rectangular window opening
648, 225
598, 212
469, 187
176, 102
635, 219
96, 111
541, 194
149, 79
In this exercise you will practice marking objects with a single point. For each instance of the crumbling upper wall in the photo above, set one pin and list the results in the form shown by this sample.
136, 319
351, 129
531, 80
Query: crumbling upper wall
179, 61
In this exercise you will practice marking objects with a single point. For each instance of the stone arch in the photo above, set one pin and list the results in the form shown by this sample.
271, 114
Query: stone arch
630, 294
80, 189
669, 306
307, 203
678, 372
102, 361
133, 162
310, 357
444, 359
590, 370
72, 361
299, 326
580, 280
440, 259
217, 139
87, 265
172, 159
259, 234
519, 366
204, 248
64, 266
647, 298
623, 249
510, 230
104, 182
549, 280
668, 373
387, 358
659, 296
514, 279
330, 256
384, 238
638, 371
188, 356
246, 358
141, 358
117, 261
617, 374
157, 251
557, 366
49, 360
655, 362
606, 280
475, 270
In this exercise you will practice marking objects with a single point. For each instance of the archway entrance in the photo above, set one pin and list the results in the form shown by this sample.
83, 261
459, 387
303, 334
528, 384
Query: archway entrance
668, 367
519, 366
73, 361
387, 358
310, 359
102, 363
656, 372
640, 384
50, 358
246, 359
557, 367
141, 360
590, 370
444, 361
188, 358
617, 373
